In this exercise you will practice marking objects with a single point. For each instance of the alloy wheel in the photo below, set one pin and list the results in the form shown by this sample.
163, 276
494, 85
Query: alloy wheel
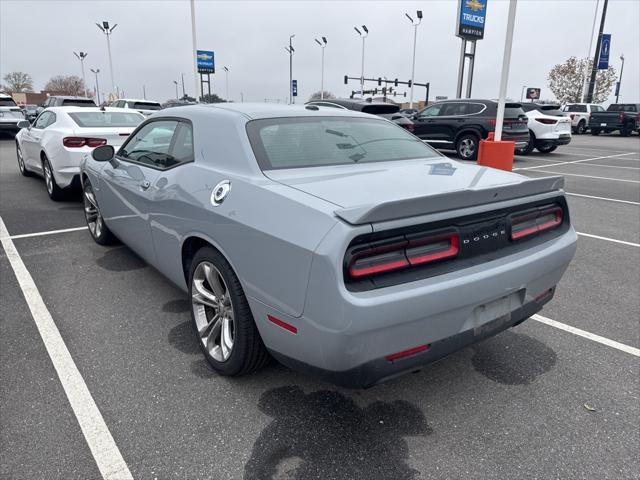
467, 147
92, 212
48, 176
20, 159
213, 311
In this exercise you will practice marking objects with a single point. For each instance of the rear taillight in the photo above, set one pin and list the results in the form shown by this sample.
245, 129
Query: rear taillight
620, 117
401, 252
546, 121
78, 142
529, 223
572, 116
409, 126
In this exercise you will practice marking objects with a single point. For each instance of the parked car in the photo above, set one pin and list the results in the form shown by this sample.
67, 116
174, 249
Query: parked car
30, 112
623, 117
66, 101
408, 112
56, 142
461, 124
146, 107
10, 115
579, 114
390, 111
176, 103
330, 239
549, 128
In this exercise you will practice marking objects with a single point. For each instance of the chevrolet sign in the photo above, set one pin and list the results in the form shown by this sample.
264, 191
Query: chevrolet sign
471, 19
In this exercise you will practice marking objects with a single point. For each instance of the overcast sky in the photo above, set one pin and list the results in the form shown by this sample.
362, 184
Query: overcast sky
152, 43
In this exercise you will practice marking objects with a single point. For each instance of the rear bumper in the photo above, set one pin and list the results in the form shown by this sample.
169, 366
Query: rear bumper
520, 139
563, 139
10, 128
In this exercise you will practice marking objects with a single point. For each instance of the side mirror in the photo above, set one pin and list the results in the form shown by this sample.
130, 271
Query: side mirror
23, 124
104, 153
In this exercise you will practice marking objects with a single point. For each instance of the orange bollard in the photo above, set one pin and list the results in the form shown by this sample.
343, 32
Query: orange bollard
496, 154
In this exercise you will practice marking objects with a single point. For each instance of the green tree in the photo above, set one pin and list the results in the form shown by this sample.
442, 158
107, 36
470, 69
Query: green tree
17, 82
566, 80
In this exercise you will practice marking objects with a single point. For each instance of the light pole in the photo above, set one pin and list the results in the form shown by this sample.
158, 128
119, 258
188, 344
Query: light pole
290, 49
620, 80
413, 63
81, 56
96, 72
175, 82
322, 44
363, 36
596, 57
107, 30
183, 92
194, 52
226, 78
586, 67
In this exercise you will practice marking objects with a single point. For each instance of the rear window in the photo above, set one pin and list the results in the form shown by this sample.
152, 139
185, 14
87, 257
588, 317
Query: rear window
78, 103
576, 108
106, 119
9, 114
320, 141
147, 106
622, 107
380, 109
7, 102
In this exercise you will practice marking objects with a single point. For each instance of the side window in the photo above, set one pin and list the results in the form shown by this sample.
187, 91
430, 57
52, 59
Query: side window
152, 145
52, 119
182, 150
453, 110
473, 108
42, 120
431, 111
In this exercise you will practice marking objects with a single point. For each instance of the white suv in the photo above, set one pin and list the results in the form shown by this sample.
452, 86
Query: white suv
146, 107
10, 115
579, 114
548, 128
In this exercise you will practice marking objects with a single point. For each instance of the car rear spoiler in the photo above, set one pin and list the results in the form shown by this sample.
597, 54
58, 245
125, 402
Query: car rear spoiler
427, 204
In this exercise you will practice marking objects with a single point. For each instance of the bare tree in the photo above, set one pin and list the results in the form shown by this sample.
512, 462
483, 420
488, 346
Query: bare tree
316, 95
17, 82
66, 85
566, 80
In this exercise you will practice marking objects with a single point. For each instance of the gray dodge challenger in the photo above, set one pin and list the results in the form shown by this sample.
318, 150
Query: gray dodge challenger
335, 241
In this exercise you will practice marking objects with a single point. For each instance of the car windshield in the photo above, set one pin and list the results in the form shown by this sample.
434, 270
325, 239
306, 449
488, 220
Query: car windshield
78, 103
7, 102
312, 142
106, 119
622, 107
147, 106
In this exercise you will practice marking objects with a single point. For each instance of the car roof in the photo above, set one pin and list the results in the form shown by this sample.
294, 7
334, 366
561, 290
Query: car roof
137, 100
70, 97
73, 109
253, 111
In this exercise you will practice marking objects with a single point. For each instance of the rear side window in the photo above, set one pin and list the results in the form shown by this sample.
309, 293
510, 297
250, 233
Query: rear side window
454, 109
146, 106
320, 141
106, 119
77, 103
576, 108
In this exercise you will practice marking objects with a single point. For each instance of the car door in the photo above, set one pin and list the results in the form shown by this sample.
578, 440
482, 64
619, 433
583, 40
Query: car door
452, 117
425, 121
31, 140
129, 183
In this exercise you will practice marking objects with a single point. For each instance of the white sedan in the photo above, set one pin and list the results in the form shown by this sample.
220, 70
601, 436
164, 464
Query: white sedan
60, 137
548, 128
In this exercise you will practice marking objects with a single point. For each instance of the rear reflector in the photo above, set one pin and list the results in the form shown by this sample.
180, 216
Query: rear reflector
534, 222
78, 142
407, 353
280, 323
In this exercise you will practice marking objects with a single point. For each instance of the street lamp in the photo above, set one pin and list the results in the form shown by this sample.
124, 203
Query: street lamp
290, 49
176, 84
226, 75
413, 64
107, 30
620, 80
96, 72
363, 36
184, 94
81, 56
322, 44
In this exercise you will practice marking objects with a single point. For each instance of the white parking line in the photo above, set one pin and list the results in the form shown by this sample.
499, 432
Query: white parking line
96, 433
590, 176
631, 244
591, 336
601, 198
582, 160
611, 166
50, 232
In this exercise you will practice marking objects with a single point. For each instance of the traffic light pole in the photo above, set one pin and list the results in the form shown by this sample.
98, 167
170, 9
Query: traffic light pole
395, 83
596, 58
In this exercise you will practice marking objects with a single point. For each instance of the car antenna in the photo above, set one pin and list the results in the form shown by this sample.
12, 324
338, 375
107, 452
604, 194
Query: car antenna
102, 109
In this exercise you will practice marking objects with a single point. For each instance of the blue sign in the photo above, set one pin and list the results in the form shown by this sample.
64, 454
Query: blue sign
206, 62
294, 88
605, 46
471, 19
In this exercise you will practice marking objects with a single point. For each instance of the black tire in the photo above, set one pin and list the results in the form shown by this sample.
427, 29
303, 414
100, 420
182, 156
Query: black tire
467, 146
595, 131
54, 191
581, 129
626, 130
21, 165
95, 221
530, 146
548, 149
248, 353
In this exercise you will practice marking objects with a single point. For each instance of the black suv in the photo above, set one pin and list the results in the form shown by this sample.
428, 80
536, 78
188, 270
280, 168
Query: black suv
461, 124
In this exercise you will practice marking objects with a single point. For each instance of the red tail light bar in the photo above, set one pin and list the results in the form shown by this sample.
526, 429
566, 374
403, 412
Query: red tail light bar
529, 223
546, 121
78, 142
401, 252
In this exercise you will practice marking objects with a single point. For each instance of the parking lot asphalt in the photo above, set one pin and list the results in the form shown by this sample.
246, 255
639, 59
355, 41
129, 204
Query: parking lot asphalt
535, 402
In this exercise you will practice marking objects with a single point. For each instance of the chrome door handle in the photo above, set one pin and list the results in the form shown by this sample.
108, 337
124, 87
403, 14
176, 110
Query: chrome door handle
145, 184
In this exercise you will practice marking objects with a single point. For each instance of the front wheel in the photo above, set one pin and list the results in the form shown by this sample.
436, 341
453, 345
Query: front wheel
95, 222
221, 317
467, 147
